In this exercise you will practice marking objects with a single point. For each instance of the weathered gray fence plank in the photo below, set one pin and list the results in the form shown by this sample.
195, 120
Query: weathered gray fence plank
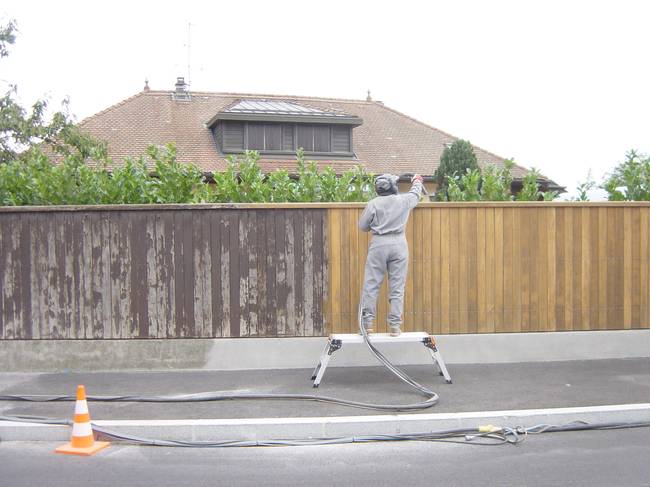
69, 300
281, 271
254, 250
165, 268
308, 274
203, 272
51, 286
243, 296
176, 273
271, 290
3, 256
299, 271
235, 273
320, 275
290, 274
214, 223
37, 285
121, 276
5, 277
261, 273
226, 253
153, 310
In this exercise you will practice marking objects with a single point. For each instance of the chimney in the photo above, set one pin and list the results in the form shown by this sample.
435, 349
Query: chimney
368, 98
146, 85
181, 87
181, 91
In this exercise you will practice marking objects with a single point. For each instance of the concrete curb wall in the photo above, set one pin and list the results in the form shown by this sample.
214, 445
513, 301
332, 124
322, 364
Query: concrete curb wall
283, 353
314, 427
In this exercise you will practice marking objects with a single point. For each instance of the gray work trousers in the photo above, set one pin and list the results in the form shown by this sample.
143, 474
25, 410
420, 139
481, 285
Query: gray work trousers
386, 253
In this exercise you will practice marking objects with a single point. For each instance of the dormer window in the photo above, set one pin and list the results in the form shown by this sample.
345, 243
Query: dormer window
277, 127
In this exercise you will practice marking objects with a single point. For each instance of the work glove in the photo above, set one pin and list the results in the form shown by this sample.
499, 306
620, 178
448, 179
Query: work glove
417, 177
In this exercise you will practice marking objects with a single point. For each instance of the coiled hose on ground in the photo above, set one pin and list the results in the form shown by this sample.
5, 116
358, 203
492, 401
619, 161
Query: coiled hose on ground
431, 397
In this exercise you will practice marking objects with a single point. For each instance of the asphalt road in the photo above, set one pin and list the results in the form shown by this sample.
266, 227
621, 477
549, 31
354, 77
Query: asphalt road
592, 458
485, 387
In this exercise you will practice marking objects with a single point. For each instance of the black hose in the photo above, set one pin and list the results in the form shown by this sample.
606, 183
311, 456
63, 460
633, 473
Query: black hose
431, 397
464, 436
219, 396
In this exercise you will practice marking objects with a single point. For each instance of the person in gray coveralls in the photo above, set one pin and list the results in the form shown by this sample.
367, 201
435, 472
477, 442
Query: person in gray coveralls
385, 217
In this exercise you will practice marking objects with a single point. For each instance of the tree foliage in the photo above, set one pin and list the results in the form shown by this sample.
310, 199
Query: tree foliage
23, 129
456, 161
584, 187
630, 180
7, 37
493, 184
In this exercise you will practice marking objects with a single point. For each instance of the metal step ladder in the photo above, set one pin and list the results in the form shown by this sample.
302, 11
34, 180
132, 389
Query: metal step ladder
336, 341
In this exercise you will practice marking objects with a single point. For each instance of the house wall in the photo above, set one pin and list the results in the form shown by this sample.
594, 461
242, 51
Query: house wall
180, 271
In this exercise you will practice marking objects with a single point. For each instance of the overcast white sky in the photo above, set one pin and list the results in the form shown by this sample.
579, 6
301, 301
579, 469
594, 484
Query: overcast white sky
561, 86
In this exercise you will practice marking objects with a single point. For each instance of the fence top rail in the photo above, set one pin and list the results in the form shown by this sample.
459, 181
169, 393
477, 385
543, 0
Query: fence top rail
271, 206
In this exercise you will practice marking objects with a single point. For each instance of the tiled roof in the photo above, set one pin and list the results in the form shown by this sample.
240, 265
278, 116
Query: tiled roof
387, 141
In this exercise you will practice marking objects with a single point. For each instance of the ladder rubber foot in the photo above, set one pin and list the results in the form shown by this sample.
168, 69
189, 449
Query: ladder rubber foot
315, 386
448, 381
313, 377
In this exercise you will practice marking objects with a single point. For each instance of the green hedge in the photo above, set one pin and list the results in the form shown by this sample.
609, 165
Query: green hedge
35, 180
493, 184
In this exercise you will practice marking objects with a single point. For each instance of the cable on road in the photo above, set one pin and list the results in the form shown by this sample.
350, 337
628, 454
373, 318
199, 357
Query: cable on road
481, 436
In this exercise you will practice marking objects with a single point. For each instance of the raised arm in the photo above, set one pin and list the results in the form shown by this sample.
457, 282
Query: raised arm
415, 193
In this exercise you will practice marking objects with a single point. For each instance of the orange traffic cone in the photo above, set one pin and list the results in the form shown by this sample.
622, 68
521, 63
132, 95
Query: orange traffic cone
82, 441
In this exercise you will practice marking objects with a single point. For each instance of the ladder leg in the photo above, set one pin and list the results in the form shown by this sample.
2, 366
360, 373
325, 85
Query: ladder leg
321, 371
320, 360
332, 346
437, 358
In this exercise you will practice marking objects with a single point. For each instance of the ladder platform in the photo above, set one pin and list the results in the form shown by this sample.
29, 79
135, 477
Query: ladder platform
408, 336
337, 340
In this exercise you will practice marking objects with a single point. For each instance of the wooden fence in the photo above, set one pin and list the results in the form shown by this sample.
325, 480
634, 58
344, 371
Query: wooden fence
296, 270
482, 268
161, 273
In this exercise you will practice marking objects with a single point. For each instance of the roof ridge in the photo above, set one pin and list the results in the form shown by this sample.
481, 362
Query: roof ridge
113, 107
263, 95
450, 135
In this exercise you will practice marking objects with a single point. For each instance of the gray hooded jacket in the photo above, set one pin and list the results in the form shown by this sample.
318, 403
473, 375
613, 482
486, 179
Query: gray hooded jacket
387, 215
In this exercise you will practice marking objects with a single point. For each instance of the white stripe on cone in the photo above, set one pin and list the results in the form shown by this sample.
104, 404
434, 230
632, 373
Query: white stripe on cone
82, 429
81, 407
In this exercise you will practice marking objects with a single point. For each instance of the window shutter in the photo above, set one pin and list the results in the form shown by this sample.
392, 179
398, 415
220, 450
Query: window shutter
341, 139
305, 137
255, 136
233, 136
287, 137
272, 137
218, 134
321, 138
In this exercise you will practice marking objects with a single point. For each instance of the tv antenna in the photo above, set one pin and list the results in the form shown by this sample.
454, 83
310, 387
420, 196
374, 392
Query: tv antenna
189, 52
